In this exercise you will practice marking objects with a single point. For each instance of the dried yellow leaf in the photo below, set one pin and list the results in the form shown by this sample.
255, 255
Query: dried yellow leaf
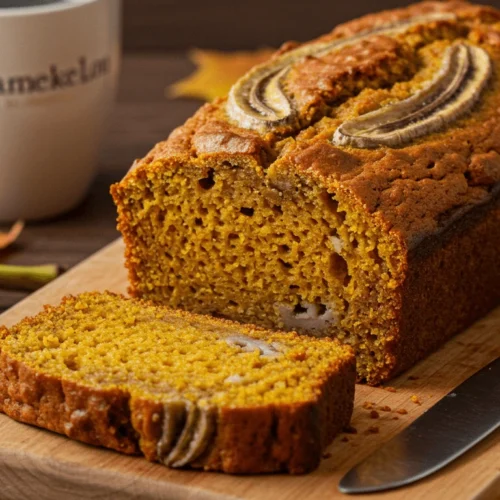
8, 238
216, 72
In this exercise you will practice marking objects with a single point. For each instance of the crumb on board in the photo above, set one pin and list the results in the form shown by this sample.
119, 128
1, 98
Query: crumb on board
390, 389
402, 411
373, 429
374, 414
327, 455
350, 430
385, 408
414, 398
367, 405
395, 418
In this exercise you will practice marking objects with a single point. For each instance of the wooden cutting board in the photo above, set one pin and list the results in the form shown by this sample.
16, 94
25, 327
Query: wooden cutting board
37, 464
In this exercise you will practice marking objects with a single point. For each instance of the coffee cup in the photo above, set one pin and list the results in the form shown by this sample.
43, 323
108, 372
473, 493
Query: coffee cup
59, 67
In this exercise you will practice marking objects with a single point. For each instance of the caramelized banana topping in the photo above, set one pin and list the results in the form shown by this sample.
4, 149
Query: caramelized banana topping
455, 89
259, 100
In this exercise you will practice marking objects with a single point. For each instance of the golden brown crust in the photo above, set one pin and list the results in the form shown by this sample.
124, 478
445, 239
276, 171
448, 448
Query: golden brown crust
414, 190
93, 416
464, 10
269, 438
468, 286
274, 438
408, 188
248, 440
419, 194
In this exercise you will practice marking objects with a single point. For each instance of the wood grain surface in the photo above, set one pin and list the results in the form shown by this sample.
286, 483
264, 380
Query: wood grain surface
39, 465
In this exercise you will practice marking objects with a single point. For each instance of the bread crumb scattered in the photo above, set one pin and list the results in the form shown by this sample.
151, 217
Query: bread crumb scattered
350, 430
373, 429
414, 399
385, 408
390, 389
367, 405
402, 411
395, 418
374, 414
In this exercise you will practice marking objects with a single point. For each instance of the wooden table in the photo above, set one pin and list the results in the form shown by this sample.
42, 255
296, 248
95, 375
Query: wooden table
142, 117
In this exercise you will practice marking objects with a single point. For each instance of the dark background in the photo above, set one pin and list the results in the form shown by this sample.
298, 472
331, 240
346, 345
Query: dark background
156, 36
233, 24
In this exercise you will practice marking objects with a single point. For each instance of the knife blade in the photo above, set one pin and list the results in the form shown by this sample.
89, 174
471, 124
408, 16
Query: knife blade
455, 424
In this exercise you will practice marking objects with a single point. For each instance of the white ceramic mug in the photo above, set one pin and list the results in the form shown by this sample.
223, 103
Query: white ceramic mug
59, 63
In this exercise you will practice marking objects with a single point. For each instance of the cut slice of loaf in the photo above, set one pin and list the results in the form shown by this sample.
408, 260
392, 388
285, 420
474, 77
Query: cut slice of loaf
182, 389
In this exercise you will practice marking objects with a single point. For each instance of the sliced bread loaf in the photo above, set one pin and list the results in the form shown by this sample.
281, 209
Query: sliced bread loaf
182, 389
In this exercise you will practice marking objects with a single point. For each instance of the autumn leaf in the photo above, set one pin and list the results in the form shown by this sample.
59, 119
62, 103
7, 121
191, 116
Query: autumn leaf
216, 72
8, 238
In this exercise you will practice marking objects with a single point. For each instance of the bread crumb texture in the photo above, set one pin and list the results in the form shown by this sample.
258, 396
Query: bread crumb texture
106, 341
177, 383
282, 228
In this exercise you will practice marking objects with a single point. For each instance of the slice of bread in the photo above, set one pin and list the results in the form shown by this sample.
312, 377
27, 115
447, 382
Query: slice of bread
182, 389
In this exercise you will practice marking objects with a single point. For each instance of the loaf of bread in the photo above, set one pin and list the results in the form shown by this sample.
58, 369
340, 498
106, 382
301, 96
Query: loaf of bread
182, 389
347, 188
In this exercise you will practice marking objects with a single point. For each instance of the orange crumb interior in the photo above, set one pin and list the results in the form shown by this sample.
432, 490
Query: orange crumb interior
106, 341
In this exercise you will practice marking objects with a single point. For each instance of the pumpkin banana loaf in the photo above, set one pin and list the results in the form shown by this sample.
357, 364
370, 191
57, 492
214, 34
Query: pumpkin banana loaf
348, 188
182, 389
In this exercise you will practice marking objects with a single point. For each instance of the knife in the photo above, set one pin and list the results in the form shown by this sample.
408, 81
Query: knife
455, 424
